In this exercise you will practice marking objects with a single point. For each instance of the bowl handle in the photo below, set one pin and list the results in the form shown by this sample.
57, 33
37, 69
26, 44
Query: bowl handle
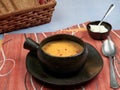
31, 45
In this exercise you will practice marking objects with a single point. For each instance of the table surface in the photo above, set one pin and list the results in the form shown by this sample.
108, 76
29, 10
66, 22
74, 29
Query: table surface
70, 12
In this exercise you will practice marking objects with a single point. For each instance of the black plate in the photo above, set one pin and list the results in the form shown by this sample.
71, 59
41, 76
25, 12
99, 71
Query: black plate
92, 67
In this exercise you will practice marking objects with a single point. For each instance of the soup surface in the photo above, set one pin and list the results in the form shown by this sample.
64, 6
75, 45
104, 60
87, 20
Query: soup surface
62, 48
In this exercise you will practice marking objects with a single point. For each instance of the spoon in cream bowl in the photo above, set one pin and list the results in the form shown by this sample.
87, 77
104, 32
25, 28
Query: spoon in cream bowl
109, 50
99, 30
107, 13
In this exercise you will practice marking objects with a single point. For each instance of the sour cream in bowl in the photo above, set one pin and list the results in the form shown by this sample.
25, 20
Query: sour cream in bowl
98, 28
99, 32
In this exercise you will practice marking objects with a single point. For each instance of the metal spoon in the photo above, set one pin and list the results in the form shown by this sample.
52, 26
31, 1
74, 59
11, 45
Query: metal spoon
109, 50
107, 13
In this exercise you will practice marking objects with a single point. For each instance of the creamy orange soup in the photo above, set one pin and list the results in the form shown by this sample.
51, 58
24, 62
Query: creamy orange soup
62, 48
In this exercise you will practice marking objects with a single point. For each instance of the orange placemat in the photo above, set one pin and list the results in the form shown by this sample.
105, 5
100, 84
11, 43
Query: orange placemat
19, 79
0, 43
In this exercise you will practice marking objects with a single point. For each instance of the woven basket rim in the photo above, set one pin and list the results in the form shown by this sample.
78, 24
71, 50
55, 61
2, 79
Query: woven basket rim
48, 4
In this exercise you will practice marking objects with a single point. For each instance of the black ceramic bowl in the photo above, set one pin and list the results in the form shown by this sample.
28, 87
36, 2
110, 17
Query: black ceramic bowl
99, 35
62, 66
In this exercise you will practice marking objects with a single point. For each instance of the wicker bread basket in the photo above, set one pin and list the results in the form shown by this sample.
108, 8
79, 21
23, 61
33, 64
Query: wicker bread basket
19, 18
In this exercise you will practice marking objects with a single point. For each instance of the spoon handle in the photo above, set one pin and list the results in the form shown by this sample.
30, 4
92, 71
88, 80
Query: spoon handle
107, 13
113, 81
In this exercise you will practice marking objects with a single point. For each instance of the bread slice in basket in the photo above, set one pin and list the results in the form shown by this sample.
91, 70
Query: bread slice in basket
18, 14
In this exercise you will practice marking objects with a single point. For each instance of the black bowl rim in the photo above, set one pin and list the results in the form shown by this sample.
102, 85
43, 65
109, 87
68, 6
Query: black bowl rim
84, 46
